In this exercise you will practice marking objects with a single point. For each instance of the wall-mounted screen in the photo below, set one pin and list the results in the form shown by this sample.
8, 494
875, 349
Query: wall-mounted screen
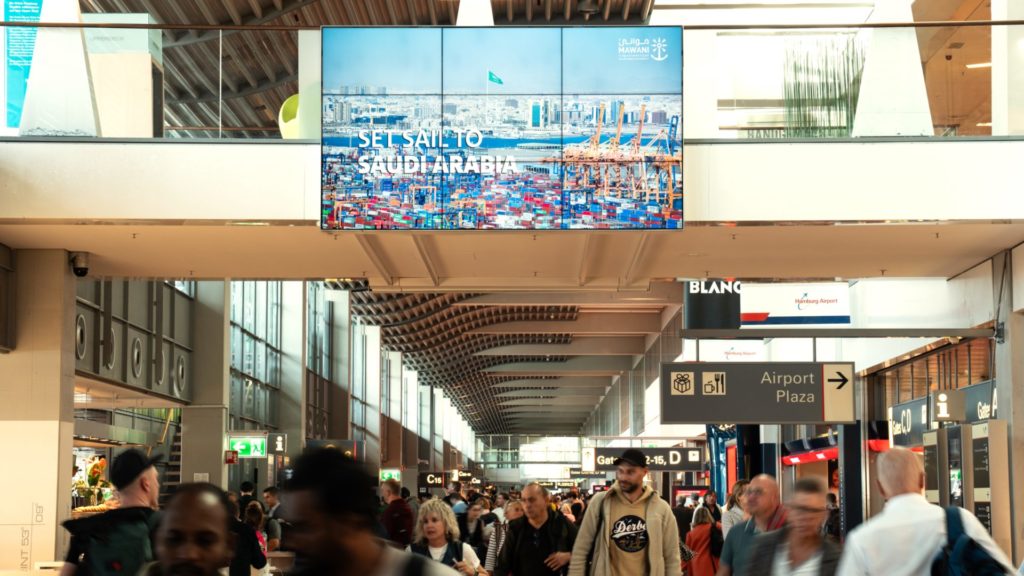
502, 128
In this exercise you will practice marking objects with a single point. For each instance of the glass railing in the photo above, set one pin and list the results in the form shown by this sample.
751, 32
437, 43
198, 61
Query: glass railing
128, 78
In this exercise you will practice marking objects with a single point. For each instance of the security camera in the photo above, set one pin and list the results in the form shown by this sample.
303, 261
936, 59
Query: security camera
80, 263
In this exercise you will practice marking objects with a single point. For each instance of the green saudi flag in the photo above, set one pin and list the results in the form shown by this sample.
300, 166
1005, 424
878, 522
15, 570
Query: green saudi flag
492, 77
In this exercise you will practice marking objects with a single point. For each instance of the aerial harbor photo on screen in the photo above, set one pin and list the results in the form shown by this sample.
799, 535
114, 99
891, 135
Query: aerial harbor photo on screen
484, 128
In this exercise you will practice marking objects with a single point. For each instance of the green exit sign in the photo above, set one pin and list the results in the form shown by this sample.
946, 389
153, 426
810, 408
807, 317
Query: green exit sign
249, 446
390, 474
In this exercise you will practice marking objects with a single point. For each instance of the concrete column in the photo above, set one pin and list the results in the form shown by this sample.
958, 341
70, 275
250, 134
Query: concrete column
341, 378
1007, 69
37, 412
205, 422
1009, 372
291, 418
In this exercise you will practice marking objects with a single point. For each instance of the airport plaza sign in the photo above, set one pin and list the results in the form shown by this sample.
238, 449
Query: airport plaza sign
757, 393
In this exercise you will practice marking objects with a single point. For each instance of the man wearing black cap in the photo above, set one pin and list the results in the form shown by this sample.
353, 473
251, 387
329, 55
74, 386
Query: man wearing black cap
119, 541
632, 533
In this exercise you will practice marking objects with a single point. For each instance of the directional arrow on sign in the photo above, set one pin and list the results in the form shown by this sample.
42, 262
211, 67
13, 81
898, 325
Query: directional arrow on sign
842, 380
239, 445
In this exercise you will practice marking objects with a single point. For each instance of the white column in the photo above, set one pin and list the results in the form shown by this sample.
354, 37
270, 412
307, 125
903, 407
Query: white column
1007, 69
37, 412
205, 422
893, 99
475, 13
310, 71
292, 406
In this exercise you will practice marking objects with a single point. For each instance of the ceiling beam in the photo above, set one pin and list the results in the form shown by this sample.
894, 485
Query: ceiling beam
368, 4
568, 9
529, 10
410, 5
287, 6
585, 255
543, 409
638, 254
590, 401
645, 13
660, 294
595, 382
452, 16
595, 323
584, 346
607, 9
557, 393
390, 5
262, 86
547, 10
428, 261
582, 366
625, 10
236, 16
510, 13
257, 8
370, 249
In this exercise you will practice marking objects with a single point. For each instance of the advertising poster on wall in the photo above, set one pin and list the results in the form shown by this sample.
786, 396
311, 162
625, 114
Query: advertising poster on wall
502, 128
16, 47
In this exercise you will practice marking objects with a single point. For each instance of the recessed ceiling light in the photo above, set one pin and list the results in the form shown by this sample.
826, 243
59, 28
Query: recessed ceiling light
979, 65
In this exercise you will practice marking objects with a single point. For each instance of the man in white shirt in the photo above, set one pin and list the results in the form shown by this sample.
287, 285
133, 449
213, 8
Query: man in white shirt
904, 539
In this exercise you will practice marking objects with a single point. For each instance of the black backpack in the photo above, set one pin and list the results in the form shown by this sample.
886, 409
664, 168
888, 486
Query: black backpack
116, 543
962, 555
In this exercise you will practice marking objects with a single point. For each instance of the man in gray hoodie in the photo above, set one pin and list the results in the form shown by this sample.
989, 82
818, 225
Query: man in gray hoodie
630, 530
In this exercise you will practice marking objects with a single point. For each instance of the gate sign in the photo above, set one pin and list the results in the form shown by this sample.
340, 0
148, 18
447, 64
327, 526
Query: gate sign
658, 459
248, 446
757, 393
431, 480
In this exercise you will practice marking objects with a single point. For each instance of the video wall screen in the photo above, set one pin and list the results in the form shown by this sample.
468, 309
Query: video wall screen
502, 128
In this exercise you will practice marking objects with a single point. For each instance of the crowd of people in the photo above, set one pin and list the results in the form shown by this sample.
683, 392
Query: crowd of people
338, 522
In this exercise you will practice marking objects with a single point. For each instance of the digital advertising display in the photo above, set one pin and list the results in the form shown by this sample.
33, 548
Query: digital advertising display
530, 128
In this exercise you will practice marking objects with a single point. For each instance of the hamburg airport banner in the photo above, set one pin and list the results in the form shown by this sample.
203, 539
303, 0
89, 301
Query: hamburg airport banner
502, 128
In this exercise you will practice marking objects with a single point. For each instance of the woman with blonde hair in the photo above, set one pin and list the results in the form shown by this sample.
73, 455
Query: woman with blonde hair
703, 563
436, 536
735, 507
513, 509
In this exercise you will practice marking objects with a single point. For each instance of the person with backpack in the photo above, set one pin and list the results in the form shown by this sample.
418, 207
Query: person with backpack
330, 504
436, 537
629, 530
119, 541
911, 535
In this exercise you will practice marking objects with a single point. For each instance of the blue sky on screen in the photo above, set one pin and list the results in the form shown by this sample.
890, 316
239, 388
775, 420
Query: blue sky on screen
402, 60
525, 59
594, 62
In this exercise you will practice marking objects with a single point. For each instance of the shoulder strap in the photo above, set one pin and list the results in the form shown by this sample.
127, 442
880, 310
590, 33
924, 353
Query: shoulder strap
954, 526
416, 566
456, 548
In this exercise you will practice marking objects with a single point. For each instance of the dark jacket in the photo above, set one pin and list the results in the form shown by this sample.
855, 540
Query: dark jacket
475, 539
762, 556
397, 520
247, 550
684, 517
560, 532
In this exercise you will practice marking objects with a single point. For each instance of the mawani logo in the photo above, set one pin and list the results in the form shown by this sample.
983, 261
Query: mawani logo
659, 50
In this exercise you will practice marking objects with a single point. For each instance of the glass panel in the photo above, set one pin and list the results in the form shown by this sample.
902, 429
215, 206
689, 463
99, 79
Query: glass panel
261, 309
261, 362
249, 355
249, 306
963, 366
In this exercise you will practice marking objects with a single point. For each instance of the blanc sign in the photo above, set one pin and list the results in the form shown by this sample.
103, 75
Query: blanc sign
757, 392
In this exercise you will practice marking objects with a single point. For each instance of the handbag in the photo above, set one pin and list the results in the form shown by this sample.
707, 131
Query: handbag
686, 553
